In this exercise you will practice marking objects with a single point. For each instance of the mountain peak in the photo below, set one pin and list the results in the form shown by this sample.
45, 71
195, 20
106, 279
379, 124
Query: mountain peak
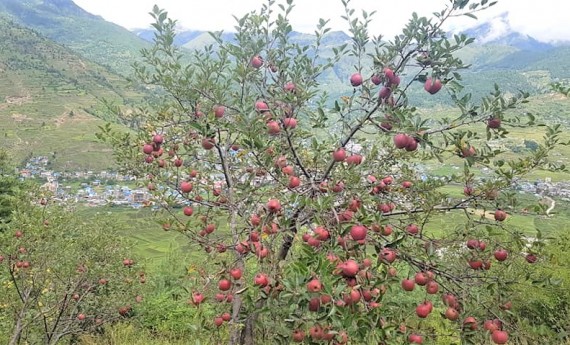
498, 30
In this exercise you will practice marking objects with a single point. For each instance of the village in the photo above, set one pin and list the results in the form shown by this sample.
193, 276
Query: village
105, 187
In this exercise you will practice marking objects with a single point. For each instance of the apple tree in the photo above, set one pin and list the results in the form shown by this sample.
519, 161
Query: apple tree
62, 276
310, 199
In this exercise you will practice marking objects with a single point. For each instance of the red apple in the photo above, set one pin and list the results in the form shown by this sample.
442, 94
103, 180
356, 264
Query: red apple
339, 155
358, 232
314, 285
219, 111
432, 85
501, 254
188, 211
256, 61
224, 285
208, 143
499, 337
500, 215
273, 206
494, 123
356, 79
408, 284
261, 280
186, 187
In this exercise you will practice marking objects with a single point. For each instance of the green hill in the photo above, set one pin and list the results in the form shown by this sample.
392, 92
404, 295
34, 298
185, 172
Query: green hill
66, 23
50, 99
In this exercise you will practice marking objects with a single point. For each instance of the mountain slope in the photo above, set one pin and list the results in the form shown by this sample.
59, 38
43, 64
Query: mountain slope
66, 23
50, 99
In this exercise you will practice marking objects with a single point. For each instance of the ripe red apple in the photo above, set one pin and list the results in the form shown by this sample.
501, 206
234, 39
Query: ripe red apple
298, 336
81, 317
494, 123
500, 215
355, 159
256, 61
224, 285
376, 79
423, 310
273, 127
261, 106
147, 148
157, 139
358, 232
432, 287
314, 304
415, 339
236, 273
219, 111
470, 323
339, 155
385, 93
432, 85
475, 264
356, 79
314, 285
472, 243
294, 182
290, 122
208, 143
226, 317
401, 140
188, 211
407, 184
186, 187
468, 151
451, 314
499, 337
273, 206
412, 229
531, 258
261, 280
421, 278
408, 284
218, 321
412, 144
388, 255
349, 268
289, 87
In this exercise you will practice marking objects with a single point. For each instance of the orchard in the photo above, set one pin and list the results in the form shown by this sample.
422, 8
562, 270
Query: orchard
311, 210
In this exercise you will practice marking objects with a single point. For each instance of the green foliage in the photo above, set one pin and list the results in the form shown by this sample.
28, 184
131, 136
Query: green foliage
62, 276
9, 190
238, 155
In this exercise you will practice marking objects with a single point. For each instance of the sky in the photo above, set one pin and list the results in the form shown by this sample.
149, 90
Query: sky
545, 20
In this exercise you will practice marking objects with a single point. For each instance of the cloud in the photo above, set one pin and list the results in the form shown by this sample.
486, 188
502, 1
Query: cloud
545, 20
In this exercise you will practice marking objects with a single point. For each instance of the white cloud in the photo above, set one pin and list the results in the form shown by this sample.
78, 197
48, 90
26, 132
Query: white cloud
545, 20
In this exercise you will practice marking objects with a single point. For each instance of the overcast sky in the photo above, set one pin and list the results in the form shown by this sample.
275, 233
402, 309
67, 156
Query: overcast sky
545, 20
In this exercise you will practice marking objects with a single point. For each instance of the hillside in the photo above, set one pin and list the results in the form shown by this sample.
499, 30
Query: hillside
66, 23
50, 99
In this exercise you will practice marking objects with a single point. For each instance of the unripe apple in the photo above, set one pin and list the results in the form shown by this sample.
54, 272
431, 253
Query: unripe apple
356, 79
